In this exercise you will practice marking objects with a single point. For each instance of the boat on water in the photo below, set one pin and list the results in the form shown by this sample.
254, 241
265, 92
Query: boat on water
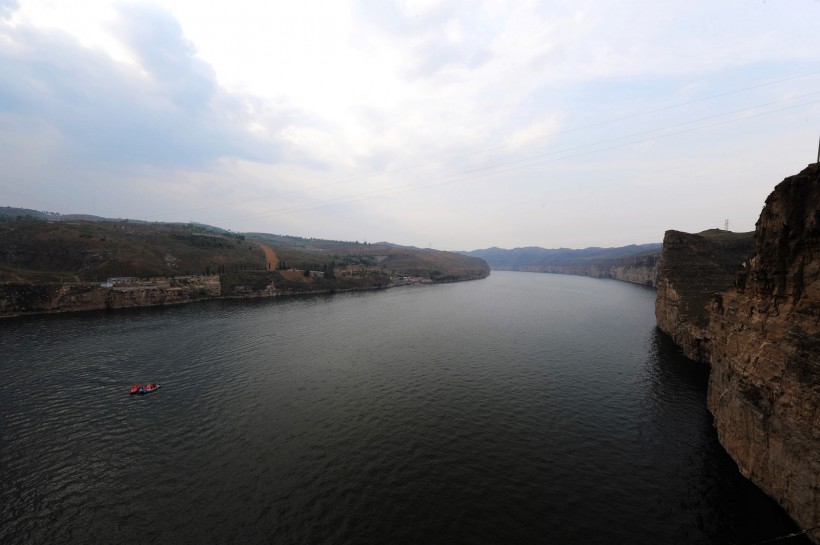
138, 389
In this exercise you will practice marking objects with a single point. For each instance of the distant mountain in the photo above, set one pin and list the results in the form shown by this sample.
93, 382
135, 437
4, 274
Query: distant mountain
538, 259
634, 263
12, 213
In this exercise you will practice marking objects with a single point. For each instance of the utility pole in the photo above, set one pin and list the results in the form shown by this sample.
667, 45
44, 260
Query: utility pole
818, 152
726, 228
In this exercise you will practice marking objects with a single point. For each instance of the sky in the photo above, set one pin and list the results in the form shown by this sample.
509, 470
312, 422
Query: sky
456, 125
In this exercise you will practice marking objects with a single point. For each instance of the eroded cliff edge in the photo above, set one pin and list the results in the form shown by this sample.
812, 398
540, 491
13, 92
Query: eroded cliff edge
756, 322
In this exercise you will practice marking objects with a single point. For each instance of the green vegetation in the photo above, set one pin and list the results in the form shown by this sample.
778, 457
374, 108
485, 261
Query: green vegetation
37, 251
338, 258
40, 247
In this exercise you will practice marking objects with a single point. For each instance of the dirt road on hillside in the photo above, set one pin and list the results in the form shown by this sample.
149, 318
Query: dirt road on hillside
271, 261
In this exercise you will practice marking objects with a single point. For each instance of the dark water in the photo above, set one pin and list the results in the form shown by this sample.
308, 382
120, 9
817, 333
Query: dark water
523, 408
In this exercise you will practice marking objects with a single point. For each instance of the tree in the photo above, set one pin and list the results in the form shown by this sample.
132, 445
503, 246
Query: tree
329, 270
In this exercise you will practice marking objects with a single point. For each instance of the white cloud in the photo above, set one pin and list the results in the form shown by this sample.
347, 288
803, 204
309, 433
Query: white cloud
469, 123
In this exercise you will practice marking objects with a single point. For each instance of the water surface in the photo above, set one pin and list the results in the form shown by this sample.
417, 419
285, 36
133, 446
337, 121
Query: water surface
523, 408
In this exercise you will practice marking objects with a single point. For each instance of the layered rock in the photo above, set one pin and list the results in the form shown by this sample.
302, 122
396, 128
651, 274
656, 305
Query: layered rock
694, 267
17, 299
760, 333
640, 270
643, 269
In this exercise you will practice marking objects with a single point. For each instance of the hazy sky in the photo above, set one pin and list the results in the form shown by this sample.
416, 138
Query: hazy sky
455, 124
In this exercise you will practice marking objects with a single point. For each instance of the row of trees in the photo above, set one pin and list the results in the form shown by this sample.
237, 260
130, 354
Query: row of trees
328, 269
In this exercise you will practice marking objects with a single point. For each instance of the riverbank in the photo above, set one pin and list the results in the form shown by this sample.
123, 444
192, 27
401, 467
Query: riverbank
17, 299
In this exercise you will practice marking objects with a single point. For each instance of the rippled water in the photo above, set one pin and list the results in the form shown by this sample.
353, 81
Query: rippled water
524, 408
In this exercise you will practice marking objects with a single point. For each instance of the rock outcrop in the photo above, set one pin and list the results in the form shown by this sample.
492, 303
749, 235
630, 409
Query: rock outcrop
643, 269
758, 327
695, 267
19, 299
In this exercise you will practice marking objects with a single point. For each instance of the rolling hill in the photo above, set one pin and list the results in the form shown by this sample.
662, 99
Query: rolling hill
41, 247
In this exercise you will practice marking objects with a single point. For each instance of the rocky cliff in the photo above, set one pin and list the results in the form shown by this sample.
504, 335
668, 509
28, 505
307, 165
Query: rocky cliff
643, 269
757, 324
695, 267
18, 299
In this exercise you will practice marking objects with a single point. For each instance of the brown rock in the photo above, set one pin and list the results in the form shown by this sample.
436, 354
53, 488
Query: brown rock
759, 329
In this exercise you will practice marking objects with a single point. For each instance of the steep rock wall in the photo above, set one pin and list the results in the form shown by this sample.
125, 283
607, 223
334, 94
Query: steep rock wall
694, 268
761, 337
17, 299
765, 383
644, 269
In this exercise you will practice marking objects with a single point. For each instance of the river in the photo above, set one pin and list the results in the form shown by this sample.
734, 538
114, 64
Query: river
522, 408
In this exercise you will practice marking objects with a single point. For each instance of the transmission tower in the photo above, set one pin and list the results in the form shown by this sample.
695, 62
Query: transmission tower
726, 225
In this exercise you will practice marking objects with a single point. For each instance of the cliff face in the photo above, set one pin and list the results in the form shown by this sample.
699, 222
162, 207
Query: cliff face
642, 269
765, 380
17, 299
761, 336
693, 269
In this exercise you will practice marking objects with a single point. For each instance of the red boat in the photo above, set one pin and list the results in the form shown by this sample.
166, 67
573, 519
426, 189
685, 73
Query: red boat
138, 389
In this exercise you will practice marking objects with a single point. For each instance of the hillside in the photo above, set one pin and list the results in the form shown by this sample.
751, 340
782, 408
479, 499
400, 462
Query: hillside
37, 251
316, 254
52, 263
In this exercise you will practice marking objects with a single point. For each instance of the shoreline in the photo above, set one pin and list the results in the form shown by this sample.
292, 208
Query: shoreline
81, 297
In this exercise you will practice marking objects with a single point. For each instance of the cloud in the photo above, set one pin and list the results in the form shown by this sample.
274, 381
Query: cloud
155, 38
438, 36
165, 109
7, 7
405, 119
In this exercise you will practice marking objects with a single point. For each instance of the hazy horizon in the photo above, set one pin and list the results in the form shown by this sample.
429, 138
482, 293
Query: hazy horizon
297, 235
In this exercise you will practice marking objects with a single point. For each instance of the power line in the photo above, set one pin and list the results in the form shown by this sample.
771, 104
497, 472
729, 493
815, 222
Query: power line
531, 161
512, 144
